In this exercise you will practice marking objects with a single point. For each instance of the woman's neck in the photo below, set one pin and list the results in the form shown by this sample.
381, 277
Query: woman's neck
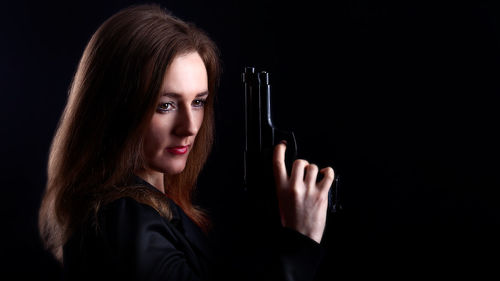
154, 178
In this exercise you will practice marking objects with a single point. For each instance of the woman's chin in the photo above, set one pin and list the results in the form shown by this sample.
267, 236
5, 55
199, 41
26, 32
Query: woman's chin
169, 166
174, 169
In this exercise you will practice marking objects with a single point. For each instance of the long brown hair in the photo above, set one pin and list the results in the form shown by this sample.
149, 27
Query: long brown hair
98, 144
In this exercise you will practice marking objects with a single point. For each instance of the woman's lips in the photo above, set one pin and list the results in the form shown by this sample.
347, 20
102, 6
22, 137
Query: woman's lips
177, 150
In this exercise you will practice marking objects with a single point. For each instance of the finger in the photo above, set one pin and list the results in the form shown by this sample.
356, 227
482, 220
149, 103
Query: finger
311, 174
279, 168
328, 176
298, 170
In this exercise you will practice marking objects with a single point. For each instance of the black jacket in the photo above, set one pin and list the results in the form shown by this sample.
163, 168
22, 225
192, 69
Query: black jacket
133, 242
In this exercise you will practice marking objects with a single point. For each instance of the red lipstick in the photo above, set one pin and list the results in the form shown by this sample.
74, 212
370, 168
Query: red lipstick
178, 150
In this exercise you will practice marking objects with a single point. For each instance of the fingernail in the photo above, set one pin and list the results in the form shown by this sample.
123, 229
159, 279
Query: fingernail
283, 142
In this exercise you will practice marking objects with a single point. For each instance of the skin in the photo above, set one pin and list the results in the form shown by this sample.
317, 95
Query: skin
303, 202
177, 119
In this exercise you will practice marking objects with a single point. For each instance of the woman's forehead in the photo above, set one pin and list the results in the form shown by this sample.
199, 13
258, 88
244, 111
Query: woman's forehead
186, 75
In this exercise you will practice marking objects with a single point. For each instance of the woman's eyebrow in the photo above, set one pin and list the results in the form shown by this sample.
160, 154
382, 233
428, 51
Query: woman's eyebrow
177, 96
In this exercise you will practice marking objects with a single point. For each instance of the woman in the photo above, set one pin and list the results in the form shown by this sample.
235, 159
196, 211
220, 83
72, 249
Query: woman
135, 133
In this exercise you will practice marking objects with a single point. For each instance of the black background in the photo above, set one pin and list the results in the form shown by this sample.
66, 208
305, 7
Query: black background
400, 99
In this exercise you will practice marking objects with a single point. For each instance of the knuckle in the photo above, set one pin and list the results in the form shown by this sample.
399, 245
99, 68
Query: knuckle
296, 191
312, 167
329, 174
323, 198
277, 163
300, 162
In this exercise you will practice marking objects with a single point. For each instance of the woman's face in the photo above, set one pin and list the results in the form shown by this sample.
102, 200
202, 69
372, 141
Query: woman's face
178, 115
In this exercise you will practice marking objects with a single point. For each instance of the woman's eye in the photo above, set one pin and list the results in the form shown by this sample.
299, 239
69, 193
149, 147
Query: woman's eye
199, 103
165, 107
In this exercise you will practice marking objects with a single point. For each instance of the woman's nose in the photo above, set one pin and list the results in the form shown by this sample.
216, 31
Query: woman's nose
186, 124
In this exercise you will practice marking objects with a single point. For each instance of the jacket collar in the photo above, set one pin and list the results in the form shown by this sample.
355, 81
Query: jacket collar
183, 223
174, 208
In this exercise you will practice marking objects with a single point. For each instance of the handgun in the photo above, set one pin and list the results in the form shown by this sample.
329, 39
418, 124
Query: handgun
260, 138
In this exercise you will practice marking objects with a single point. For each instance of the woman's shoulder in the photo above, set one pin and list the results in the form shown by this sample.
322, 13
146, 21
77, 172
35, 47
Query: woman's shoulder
127, 212
128, 236
137, 202
126, 222
126, 206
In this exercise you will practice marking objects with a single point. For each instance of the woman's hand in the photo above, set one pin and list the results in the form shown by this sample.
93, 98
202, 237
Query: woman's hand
302, 201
